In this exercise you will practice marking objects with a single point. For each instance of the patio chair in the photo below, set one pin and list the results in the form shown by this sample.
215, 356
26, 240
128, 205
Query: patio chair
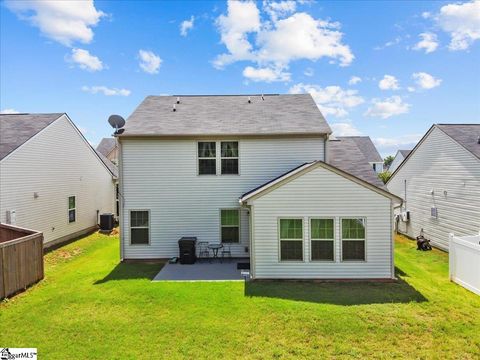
203, 250
226, 250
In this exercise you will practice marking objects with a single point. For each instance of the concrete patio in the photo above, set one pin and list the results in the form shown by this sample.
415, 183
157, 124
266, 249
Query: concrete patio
202, 271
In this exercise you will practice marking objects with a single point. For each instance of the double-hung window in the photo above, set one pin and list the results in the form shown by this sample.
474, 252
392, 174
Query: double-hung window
139, 227
353, 239
291, 239
72, 209
230, 224
322, 239
229, 157
207, 160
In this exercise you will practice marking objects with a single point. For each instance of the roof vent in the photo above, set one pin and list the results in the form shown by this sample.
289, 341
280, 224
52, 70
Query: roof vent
249, 100
174, 107
263, 98
178, 99
478, 140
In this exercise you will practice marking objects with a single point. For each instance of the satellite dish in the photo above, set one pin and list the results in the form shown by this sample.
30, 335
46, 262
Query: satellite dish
119, 131
116, 121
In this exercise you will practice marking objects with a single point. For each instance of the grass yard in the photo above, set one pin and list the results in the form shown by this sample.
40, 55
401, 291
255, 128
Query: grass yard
91, 307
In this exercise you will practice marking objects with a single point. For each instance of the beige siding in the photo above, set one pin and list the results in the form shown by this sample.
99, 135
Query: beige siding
442, 165
55, 164
322, 193
161, 175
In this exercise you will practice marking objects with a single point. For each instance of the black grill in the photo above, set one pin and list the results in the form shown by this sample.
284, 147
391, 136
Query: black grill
186, 247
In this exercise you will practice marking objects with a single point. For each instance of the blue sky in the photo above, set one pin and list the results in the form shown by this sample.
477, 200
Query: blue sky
384, 69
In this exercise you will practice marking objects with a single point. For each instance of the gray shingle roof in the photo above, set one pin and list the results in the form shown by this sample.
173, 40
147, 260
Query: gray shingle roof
227, 115
16, 129
344, 153
110, 165
466, 135
106, 146
366, 146
404, 152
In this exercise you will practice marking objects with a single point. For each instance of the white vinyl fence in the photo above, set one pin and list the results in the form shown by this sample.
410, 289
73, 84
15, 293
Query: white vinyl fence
464, 256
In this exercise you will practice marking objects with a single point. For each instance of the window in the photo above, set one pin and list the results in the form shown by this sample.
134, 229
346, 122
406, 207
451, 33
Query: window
139, 227
353, 239
230, 224
72, 209
291, 239
207, 164
322, 238
229, 157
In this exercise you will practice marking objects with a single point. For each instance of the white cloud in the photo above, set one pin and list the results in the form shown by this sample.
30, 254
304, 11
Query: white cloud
428, 42
265, 74
410, 89
331, 100
388, 107
242, 18
309, 72
85, 60
62, 21
149, 61
344, 129
395, 41
279, 9
354, 80
186, 26
276, 42
426, 81
390, 145
9, 111
388, 82
426, 15
106, 90
462, 22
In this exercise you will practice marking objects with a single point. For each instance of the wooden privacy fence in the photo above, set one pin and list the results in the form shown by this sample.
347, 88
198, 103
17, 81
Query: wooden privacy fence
21, 259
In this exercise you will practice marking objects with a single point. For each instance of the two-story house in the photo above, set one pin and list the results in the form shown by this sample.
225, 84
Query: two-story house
255, 172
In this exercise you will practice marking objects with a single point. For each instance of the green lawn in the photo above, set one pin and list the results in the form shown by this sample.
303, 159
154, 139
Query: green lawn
91, 307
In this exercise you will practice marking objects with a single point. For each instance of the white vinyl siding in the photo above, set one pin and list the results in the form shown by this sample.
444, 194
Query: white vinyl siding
161, 175
56, 163
453, 173
321, 193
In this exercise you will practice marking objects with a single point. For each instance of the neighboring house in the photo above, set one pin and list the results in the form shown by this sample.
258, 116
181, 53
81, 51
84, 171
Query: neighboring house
440, 184
108, 148
51, 179
258, 174
368, 149
397, 160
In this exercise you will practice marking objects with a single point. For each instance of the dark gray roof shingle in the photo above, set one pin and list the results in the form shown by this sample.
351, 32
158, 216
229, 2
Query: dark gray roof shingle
227, 115
467, 135
106, 146
404, 152
344, 153
366, 146
16, 129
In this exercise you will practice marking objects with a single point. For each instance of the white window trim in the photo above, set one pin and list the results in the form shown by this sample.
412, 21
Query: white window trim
280, 239
312, 239
74, 209
341, 239
239, 226
139, 227
207, 158
233, 157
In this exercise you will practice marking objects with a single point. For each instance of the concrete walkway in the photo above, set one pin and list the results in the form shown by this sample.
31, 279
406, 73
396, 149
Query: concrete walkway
202, 271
